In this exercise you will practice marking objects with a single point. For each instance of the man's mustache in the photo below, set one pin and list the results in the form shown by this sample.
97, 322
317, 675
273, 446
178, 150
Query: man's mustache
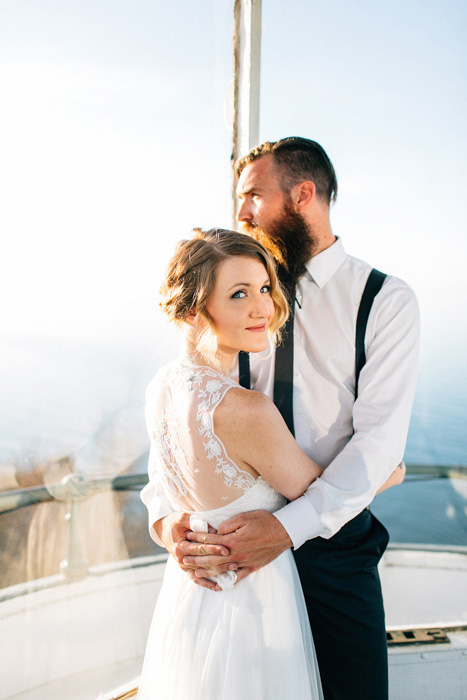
251, 229
273, 245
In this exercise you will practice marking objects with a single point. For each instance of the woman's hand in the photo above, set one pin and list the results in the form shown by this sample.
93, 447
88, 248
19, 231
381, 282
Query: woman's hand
172, 531
253, 540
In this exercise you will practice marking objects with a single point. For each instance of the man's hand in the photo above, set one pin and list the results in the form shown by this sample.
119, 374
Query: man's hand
172, 531
253, 539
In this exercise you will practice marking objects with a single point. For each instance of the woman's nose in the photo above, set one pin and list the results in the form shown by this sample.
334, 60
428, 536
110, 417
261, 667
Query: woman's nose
260, 308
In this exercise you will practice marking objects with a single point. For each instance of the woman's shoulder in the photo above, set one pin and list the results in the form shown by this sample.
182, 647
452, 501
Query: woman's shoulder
245, 406
159, 379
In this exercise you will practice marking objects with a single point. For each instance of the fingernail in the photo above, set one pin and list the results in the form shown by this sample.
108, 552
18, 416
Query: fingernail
232, 567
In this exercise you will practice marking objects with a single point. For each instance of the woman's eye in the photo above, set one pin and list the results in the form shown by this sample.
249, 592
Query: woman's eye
238, 295
266, 289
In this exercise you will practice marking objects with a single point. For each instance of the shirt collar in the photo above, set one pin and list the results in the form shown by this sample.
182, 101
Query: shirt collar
321, 267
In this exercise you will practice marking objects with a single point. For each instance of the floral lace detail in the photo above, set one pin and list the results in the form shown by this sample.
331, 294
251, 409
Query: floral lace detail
165, 434
195, 393
210, 397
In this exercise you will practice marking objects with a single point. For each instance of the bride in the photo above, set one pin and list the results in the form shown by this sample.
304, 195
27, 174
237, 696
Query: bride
222, 450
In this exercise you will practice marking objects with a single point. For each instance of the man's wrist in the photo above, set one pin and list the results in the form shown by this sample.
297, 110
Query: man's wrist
283, 538
300, 521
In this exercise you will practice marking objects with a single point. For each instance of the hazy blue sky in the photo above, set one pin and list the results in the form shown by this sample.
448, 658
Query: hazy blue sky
113, 144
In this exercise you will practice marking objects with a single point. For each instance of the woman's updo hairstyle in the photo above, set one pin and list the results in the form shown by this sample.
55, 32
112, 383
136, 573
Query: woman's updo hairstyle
191, 276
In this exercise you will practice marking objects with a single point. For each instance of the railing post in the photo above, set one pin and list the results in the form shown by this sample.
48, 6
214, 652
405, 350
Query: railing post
74, 567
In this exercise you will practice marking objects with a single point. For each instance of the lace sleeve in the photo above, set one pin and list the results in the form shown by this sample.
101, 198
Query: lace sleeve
196, 471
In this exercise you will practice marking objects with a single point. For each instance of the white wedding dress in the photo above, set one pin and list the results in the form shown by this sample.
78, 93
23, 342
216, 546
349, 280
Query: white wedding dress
251, 641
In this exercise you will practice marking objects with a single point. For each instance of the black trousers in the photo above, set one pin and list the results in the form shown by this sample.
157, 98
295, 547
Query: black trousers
343, 596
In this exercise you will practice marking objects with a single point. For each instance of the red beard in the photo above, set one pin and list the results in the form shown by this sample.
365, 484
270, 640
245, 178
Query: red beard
289, 240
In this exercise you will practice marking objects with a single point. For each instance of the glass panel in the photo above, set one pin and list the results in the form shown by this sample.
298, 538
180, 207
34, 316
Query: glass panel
113, 147
382, 87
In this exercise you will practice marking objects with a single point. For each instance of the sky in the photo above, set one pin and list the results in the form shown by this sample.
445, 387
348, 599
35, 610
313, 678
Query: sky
113, 145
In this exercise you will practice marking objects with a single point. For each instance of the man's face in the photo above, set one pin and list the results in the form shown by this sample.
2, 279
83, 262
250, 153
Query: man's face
261, 198
268, 214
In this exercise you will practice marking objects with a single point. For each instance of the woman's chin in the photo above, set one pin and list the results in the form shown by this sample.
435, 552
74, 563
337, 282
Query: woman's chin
256, 346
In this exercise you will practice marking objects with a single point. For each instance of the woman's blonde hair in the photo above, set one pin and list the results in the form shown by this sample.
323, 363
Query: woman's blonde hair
191, 276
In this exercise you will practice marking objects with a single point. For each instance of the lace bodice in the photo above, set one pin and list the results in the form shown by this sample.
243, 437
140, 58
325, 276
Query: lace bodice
197, 472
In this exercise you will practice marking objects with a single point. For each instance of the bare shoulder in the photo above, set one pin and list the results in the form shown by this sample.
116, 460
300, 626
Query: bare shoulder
244, 411
245, 402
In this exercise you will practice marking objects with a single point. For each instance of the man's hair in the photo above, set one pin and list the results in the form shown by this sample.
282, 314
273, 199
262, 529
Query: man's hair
297, 159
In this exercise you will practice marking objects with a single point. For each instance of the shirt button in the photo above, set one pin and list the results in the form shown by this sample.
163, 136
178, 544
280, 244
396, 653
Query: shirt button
300, 415
297, 375
296, 335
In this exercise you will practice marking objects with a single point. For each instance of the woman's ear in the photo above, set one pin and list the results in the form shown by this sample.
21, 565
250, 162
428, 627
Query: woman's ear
194, 318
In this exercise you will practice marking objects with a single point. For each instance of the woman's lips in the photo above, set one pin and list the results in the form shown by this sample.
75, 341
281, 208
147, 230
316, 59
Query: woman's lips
257, 329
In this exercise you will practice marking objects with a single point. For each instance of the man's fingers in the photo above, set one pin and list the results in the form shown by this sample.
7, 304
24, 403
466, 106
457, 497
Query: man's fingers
219, 564
229, 526
184, 549
204, 538
243, 572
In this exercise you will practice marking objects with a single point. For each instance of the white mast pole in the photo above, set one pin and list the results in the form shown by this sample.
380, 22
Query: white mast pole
247, 59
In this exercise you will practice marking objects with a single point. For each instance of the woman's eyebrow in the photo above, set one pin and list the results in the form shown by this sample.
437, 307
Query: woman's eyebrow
246, 284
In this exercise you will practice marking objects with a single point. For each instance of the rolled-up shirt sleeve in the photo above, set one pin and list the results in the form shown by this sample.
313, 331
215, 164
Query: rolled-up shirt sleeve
153, 494
381, 416
155, 500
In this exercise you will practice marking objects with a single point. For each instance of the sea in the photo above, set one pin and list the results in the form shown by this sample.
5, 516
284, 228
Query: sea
85, 400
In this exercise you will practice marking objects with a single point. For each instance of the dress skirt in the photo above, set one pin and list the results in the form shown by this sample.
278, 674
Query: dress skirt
252, 642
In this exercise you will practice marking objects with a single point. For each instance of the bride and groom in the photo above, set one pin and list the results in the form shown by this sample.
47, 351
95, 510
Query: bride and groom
217, 450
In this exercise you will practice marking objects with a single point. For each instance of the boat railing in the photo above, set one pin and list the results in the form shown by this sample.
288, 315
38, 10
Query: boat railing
83, 592
74, 489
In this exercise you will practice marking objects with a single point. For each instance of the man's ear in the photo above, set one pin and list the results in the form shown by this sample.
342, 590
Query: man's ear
303, 194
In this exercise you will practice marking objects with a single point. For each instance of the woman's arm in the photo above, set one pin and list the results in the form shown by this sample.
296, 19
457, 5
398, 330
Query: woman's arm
255, 435
397, 477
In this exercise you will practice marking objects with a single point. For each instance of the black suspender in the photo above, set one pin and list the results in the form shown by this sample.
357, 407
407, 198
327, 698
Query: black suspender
372, 287
244, 370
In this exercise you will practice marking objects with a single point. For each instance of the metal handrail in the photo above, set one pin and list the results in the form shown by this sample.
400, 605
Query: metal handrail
79, 487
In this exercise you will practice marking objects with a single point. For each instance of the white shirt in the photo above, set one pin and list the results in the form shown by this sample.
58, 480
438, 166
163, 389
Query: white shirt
358, 443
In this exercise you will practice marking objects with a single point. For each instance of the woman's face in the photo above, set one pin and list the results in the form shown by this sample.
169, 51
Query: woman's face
240, 306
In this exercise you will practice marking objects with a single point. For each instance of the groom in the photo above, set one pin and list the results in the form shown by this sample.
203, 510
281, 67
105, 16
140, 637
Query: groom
355, 429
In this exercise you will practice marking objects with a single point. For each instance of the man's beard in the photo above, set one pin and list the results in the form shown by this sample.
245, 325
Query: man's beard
289, 240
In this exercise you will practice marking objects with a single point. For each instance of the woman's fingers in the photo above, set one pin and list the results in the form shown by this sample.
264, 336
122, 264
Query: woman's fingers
200, 575
204, 582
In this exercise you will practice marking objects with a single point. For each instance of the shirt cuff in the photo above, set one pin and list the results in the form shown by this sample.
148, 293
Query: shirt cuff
301, 521
155, 513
